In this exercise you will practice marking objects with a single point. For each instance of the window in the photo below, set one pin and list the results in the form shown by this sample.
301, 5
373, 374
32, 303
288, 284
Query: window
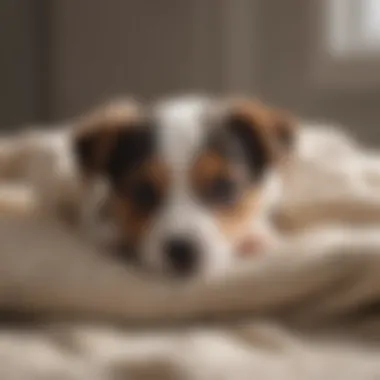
348, 33
371, 24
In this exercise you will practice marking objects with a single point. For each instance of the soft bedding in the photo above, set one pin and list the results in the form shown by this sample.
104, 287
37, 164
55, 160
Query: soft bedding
309, 309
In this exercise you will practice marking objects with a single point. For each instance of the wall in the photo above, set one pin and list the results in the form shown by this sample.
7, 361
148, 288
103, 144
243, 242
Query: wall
61, 57
285, 47
142, 47
21, 95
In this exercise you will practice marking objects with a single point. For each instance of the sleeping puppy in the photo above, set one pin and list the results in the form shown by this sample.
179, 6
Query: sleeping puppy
190, 181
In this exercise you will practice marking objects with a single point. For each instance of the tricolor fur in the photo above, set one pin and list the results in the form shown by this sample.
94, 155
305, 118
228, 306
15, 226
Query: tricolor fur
188, 177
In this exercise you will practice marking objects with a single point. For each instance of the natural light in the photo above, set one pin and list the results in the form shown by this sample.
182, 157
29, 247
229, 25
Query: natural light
371, 22
354, 26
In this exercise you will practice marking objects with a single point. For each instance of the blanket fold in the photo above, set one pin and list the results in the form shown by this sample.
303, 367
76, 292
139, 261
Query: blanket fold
306, 309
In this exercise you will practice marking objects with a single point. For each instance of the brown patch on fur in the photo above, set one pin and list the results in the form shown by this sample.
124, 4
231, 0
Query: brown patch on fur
233, 219
276, 130
153, 170
131, 221
275, 127
207, 167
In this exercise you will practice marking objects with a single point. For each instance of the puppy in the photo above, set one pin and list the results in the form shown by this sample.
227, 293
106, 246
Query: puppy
189, 180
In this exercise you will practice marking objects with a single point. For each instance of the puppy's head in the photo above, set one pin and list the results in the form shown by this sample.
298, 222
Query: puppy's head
187, 177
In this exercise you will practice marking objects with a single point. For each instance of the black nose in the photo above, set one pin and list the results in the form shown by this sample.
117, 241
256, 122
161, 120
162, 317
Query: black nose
182, 254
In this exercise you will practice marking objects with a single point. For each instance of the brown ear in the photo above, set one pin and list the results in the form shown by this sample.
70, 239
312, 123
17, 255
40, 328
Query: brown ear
267, 135
98, 132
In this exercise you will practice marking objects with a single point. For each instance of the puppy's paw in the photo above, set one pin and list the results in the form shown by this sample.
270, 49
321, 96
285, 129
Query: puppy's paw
257, 243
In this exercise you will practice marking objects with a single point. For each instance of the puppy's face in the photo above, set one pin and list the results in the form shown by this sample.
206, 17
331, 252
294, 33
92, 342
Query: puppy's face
188, 178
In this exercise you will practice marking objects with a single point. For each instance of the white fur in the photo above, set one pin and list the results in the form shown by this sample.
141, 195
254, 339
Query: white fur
181, 133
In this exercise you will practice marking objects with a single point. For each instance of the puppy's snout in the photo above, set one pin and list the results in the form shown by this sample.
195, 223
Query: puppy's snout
182, 254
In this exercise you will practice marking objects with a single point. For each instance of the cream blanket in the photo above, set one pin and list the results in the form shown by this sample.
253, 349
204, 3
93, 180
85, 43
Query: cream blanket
309, 310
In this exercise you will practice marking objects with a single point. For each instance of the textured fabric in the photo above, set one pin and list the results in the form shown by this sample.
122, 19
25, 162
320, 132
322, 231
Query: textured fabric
309, 309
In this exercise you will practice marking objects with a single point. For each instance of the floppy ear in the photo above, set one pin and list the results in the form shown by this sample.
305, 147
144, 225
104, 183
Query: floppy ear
266, 135
91, 149
99, 133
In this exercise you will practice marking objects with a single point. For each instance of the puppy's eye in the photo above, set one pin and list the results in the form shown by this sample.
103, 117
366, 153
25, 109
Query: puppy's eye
222, 190
145, 195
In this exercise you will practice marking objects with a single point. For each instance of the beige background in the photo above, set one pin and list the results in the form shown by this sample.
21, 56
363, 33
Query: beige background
60, 57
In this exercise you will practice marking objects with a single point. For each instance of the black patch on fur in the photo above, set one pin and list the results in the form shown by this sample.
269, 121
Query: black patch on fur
225, 189
84, 151
241, 143
145, 195
133, 146
225, 144
250, 143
